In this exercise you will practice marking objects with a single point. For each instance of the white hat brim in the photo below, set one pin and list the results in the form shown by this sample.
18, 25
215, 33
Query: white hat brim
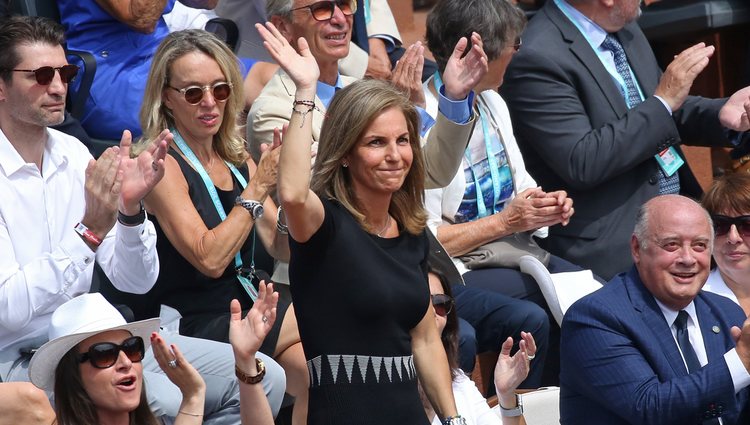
45, 360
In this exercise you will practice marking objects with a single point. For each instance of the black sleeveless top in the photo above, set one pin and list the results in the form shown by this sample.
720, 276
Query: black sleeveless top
182, 286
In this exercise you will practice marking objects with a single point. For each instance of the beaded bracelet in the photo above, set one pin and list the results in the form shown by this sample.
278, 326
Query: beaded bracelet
309, 103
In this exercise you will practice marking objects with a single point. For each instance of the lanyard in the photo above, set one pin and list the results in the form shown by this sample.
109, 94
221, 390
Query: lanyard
242, 276
491, 160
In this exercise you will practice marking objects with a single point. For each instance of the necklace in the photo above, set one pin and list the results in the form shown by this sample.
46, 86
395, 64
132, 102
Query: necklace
210, 166
387, 224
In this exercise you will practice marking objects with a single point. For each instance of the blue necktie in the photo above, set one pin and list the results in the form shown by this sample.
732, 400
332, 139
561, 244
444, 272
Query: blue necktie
683, 340
667, 184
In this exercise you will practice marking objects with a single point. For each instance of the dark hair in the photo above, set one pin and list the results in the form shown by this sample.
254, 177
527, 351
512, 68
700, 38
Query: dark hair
17, 30
450, 333
497, 21
730, 192
73, 405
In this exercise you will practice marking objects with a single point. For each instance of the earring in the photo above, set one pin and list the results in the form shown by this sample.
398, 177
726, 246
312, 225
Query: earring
345, 164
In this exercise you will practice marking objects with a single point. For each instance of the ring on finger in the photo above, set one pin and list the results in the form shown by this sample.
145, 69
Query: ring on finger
154, 166
172, 363
264, 319
531, 357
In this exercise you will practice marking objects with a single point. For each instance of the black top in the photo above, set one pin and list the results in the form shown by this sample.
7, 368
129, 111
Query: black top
357, 297
182, 286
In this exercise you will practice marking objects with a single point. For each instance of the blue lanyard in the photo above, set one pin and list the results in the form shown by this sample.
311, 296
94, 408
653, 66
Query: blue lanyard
180, 142
491, 160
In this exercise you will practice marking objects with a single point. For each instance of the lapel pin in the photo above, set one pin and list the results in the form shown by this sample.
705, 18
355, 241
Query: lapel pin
716, 329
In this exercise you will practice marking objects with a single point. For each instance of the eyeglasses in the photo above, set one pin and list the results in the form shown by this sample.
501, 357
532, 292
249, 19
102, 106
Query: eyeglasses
443, 304
723, 223
45, 74
517, 44
104, 354
323, 10
194, 94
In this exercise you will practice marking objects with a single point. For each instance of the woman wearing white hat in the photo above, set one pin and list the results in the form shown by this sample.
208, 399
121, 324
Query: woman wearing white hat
93, 363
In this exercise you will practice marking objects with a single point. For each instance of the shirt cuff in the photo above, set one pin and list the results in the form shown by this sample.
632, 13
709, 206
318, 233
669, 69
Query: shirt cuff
458, 111
740, 376
425, 120
78, 251
664, 102
390, 42
135, 235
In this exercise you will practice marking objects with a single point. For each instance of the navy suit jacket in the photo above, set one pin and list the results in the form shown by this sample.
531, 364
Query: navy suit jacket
620, 363
577, 134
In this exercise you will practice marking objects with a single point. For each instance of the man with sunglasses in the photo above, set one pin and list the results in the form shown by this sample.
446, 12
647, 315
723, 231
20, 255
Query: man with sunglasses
62, 211
327, 27
650, 347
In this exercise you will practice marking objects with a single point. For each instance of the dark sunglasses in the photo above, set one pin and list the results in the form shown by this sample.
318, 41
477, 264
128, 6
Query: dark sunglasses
104, 354
323, 10
45, 74
723, 223
194, 94
443, 304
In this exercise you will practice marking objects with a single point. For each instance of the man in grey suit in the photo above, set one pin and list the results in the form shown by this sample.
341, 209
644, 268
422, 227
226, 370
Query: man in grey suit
595, 116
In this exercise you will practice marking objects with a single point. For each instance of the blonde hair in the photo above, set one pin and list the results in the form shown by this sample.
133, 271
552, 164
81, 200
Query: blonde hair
349, 115
155, 116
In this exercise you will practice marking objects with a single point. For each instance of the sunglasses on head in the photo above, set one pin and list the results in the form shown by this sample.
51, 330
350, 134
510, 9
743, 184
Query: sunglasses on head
323, 10
104, 354
194, 94
443, 304
45, 74
723, 223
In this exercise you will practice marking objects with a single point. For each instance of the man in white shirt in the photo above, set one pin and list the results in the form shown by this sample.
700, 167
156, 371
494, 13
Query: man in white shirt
650, 347
62, 210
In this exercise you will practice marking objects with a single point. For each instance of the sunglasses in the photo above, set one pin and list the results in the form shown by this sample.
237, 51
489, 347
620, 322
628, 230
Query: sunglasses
723, 223
104, 354
443, 304
45, 74
194, 94
323, 10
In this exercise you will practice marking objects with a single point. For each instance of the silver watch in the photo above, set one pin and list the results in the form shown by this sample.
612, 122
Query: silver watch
255, 208
513, 411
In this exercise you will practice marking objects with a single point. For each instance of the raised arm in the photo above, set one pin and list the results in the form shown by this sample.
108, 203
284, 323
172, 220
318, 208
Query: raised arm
303, 209
246, 336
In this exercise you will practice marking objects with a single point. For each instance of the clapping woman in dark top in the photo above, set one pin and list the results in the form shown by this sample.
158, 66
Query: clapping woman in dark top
215, 222
358, 247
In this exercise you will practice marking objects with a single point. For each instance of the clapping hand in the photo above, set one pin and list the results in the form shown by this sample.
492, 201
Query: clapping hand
301, 66
407, 76
510, 371
734, 114
462, 73
178, 369
246, 335
142, 173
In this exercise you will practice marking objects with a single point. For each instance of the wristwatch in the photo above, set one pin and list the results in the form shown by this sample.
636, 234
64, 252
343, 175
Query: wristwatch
454, 420
255, 208
513, 411
251, 380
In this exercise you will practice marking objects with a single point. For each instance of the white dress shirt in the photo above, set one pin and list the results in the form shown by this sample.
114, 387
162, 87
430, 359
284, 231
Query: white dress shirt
43, 261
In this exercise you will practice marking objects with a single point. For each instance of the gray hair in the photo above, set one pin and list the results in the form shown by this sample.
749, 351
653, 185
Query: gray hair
641, 229
282, 8
497, 21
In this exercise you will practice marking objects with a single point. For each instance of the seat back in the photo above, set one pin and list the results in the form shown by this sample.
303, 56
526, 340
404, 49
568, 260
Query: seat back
45, 8
536, 269
542, 407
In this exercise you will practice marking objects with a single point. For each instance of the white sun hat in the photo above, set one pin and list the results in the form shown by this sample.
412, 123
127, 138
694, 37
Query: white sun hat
74, 321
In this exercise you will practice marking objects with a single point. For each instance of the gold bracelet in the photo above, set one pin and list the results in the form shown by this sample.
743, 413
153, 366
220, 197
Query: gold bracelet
195, 415
250, 380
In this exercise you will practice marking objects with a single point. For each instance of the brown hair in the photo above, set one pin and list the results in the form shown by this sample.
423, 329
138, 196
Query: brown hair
730, 192
73, 406
155, 116
18, 30
349, 115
